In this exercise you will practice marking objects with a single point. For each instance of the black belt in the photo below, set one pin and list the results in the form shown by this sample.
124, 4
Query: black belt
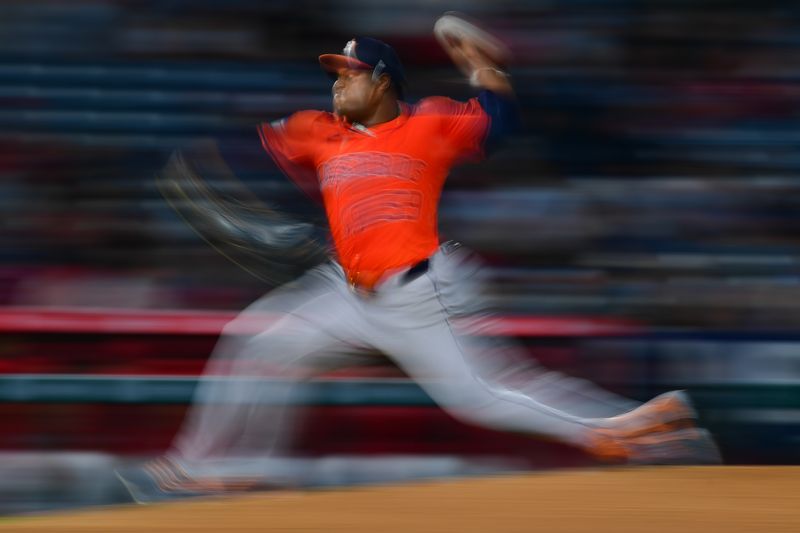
416, 271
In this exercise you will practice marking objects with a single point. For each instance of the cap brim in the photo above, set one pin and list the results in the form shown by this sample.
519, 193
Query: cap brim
337, 62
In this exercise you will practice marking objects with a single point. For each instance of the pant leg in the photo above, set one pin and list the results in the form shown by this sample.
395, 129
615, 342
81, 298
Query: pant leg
464, 372
239, 413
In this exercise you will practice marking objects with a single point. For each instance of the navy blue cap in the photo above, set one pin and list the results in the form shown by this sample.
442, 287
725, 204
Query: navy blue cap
368, 54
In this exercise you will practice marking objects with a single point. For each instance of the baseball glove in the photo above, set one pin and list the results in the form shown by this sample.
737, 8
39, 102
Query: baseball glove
270, 245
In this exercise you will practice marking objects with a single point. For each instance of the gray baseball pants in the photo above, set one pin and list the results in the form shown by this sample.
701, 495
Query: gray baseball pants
429, 325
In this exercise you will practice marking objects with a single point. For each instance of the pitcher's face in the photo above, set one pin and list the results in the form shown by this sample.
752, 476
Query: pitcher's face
355, 94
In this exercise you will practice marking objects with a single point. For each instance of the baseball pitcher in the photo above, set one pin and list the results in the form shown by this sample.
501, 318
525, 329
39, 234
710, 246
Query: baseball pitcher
379, 163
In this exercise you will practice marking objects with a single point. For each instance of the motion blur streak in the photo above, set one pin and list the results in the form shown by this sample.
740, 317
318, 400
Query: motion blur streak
654, 190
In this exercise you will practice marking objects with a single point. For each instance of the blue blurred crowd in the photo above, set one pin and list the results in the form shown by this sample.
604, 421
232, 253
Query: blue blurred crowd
655, 178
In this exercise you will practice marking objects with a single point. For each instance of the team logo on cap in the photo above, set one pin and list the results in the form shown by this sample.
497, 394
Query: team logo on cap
350, 48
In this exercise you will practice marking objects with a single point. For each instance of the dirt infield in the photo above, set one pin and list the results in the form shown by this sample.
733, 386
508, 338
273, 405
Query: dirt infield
730, 499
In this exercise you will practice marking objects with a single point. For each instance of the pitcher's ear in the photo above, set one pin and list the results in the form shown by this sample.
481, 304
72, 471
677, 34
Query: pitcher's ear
384, 82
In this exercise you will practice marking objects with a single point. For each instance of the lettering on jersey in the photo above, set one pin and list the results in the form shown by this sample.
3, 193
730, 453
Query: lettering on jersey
367, 188
360, 165
382, 207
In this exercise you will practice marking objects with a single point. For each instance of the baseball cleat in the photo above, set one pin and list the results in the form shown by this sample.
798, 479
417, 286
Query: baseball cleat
667, 412
144, 487
163, 480
688, 446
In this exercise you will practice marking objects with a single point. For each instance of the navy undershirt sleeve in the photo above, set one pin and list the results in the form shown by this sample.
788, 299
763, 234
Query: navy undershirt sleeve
505, 118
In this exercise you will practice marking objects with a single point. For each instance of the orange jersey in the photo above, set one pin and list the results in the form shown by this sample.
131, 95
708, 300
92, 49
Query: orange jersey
381, 185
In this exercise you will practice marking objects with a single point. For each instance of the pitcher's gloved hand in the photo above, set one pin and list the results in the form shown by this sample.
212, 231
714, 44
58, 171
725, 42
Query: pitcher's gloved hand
268, 244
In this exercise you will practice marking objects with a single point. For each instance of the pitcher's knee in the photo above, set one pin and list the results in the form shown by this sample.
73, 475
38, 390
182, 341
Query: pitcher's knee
474, 402
273, 353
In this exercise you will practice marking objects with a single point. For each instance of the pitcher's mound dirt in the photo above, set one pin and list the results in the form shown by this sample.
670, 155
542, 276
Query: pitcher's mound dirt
640, 500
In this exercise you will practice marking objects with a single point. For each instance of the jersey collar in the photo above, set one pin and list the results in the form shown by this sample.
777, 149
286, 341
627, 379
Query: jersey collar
373, 131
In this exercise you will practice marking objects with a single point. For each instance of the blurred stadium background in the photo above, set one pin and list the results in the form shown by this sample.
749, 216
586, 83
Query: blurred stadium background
643, 231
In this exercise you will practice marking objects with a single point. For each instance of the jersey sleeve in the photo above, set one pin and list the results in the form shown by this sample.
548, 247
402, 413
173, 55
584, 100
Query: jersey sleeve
463, 125
291, 143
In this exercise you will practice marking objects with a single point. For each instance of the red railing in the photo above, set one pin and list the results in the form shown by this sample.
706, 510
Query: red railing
185, 322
